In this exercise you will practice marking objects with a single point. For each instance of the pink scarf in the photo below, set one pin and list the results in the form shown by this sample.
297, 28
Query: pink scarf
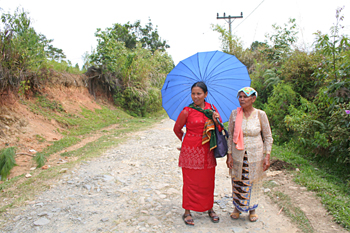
238, 132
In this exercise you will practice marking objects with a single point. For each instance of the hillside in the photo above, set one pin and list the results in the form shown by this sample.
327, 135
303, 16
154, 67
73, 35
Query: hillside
23, 126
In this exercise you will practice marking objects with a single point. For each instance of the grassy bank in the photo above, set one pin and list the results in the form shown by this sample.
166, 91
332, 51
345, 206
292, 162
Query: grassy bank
328, 179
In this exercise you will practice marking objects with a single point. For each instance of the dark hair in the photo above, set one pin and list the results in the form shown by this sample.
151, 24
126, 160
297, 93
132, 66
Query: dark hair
201, 85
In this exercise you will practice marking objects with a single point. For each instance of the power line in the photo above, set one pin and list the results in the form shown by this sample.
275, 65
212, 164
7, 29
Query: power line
249, 14
229, 19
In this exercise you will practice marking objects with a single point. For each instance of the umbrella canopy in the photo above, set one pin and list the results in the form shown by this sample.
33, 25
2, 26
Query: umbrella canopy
223, 74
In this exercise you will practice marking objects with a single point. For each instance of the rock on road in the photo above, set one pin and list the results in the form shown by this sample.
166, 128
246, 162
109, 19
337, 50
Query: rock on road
135, 187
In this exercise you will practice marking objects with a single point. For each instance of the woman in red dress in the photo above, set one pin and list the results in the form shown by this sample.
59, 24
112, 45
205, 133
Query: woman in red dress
197, 155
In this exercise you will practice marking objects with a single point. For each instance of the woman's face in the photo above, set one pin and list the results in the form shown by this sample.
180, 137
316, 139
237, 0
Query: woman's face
198, 96
244, 100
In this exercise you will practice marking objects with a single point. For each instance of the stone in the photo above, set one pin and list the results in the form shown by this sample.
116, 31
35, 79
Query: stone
104, 219
86, 186
39, 204
267, 190
237, 229
28, 175
63, 170
107, 178
153, 221
273, 173
172, 191
17, 218
274, 182
41, 222
42, 214
141, 200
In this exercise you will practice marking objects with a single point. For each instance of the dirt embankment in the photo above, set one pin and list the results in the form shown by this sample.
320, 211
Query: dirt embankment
29, 131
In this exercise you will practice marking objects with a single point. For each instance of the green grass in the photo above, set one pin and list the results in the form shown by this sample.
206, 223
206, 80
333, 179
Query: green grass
82, 123
113, 138
292, 211
39, 138
57, 146
328, 179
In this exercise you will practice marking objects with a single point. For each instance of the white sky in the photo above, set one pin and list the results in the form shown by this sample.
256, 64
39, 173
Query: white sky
185, 24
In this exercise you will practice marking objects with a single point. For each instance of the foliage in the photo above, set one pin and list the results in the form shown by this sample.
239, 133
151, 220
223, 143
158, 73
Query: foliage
24, 53
282, 41
323, 130
7, 161
87, 61
134, 65
278, 107
131, 34
64, 66
298, 71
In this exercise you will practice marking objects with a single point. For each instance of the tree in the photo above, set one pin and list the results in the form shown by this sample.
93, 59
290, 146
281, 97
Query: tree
130, 34
22, 50
282, 41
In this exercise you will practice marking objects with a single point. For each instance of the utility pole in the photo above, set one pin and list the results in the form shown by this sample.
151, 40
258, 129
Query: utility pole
229, 19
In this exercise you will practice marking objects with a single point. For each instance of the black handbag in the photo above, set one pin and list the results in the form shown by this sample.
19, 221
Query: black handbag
221, 140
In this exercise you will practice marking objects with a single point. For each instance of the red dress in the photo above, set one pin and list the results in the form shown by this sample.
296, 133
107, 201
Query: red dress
197, 161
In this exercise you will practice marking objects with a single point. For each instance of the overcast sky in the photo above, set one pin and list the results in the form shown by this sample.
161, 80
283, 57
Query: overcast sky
184, 24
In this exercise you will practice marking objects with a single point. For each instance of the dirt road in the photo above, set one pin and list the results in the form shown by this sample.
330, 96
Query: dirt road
135, 187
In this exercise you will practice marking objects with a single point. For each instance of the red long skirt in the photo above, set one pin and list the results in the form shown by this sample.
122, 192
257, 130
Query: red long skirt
198, 189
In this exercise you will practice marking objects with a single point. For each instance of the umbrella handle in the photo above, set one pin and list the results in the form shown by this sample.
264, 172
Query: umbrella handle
217, 119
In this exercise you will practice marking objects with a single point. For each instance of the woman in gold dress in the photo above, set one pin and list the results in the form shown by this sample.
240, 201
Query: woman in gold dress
249, 148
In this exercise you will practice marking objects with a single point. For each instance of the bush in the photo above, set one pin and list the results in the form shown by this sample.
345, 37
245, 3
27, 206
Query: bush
7, 161
277, 108
137, 67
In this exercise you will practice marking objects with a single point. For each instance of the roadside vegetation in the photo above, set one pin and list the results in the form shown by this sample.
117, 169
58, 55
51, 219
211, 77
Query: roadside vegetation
306, 95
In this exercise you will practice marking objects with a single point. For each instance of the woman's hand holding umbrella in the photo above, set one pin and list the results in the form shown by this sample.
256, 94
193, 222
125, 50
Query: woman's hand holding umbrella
216, 116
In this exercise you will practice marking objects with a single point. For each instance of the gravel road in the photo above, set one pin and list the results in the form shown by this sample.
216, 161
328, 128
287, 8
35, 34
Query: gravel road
135, 187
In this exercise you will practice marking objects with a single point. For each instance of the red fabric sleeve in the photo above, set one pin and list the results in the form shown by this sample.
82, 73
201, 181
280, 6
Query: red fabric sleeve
179, 124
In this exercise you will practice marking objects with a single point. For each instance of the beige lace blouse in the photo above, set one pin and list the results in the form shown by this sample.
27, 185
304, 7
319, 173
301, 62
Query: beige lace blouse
254, 128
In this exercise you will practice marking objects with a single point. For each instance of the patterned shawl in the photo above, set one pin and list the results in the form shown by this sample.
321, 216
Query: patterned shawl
209, 127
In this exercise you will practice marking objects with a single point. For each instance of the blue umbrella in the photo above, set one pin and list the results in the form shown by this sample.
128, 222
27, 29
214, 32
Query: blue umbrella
223, 74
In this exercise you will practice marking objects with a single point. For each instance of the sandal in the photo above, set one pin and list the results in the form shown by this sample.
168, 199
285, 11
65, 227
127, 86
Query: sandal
190, 221
235, 215
215, 218
252, 216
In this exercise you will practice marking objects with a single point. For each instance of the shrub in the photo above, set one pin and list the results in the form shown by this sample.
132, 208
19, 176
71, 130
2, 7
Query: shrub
7, 161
